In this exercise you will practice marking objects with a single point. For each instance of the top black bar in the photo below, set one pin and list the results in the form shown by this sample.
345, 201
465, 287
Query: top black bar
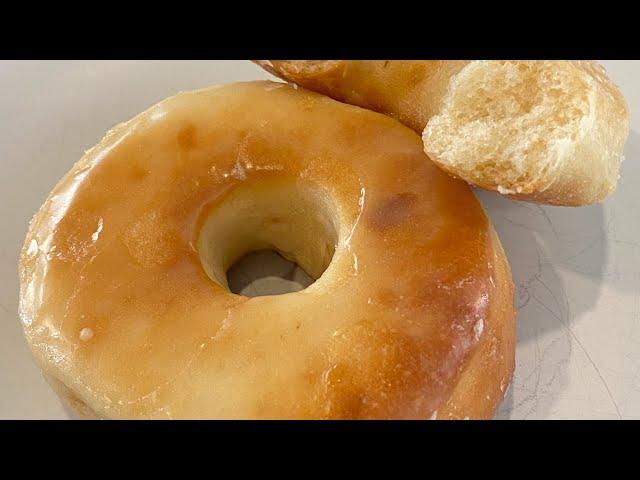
410, 35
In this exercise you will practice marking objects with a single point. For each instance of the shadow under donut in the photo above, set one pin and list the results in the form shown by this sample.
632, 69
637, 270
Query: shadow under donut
543, 345
561, 259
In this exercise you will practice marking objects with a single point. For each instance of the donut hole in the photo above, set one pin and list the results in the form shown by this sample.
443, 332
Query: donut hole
266, 272
295, 221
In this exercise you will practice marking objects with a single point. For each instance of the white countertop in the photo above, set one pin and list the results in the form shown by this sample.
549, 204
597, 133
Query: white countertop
577, 271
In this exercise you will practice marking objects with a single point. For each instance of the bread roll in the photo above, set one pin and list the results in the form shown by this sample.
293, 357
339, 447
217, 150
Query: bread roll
546, 131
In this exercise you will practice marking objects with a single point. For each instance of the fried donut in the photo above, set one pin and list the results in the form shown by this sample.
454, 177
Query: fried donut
546, 131
124, 297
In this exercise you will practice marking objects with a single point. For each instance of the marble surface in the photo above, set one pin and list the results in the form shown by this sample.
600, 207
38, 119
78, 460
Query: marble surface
576, 270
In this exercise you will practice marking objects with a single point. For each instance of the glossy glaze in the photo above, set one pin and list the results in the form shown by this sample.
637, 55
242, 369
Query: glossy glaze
121, 313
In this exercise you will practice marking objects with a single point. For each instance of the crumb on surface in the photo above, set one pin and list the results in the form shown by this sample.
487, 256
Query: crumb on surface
86, 334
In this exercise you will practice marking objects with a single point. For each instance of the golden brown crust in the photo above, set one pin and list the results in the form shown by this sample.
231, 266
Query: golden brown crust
119, 311
414, 92
407, 90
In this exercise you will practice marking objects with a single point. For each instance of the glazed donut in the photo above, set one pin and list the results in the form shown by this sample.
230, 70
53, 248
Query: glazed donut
546, 131
123, 289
